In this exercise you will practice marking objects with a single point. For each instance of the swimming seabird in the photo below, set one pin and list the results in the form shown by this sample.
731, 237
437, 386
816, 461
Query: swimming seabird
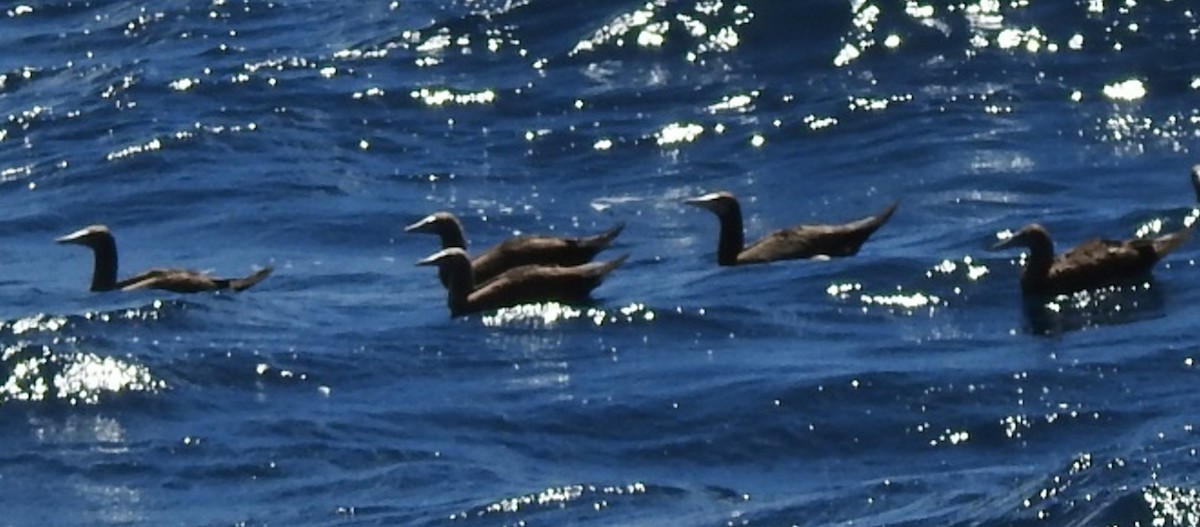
516, 251
522, 285
104, 274
1091, 264
801, 241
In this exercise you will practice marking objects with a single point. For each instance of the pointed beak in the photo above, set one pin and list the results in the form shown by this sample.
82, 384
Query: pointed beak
1005, 243
429, 260
74, 237
445, 255
425, 225
705, 202
435, 258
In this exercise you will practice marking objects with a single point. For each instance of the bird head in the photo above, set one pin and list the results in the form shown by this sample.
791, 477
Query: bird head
446, 257
1028, 236
440, 223
88, 236
720, 203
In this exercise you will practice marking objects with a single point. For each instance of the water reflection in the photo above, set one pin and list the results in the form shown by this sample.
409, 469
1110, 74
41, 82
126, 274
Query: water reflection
35, 373
112, 504
552, 313
103, 487
1113, 305
554, 498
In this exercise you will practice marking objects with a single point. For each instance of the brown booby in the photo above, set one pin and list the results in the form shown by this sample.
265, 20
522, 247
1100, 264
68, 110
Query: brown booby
104, 273
801, 241
1091, 264
516, 251
526, 284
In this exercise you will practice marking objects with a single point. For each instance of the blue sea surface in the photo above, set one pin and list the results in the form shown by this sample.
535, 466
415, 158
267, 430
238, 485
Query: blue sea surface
908, 385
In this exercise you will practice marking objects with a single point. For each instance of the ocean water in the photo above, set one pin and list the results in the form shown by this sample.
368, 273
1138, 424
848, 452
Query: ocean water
909, 385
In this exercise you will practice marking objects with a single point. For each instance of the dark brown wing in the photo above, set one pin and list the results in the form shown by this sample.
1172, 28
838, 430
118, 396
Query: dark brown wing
1102, 262
177, 280
539, 283
539, 250
803, 241
188, 281
808, 241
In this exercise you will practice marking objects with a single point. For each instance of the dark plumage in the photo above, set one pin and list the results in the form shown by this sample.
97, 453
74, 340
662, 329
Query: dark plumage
104, 274
1196, 181
801, 241
1093, 263
516, 251
522, 285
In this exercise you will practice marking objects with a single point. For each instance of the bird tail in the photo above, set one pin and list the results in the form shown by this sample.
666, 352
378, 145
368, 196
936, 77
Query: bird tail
871, 223
242, 284
601, 269
604, 239
615, 262
1163, 245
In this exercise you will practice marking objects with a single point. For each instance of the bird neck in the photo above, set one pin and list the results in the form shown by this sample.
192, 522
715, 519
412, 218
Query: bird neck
1040, 259
459, 282
732, 239
452, 235
104, 270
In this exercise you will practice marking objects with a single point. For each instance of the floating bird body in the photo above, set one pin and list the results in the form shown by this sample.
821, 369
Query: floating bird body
522, 285
1091, 264
517, 251
104, 273
801, 241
